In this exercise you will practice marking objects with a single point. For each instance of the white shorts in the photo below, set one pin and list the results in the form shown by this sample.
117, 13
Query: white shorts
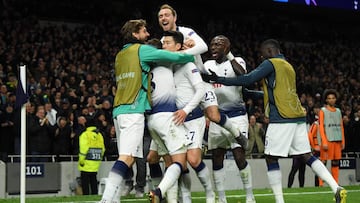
159, 147
219, 137
167, 134
283, 139
210, 98
195, 132
130, 132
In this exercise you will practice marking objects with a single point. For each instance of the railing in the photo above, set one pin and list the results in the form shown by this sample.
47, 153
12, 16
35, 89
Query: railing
57, 158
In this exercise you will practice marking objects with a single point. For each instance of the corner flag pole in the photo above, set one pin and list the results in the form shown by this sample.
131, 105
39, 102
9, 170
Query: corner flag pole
23, 138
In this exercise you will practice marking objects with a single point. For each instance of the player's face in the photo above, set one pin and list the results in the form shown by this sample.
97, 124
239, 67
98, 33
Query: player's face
331, 100
217, 48
265, 52
167, 20
142, 35
169, 44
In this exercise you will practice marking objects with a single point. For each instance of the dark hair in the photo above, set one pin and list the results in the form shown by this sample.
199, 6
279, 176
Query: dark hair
177, 36
131, 26
327, 92
155, 42
272, 42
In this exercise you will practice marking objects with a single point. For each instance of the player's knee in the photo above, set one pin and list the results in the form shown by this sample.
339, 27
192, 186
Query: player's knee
152, 158
194, 162
213, 114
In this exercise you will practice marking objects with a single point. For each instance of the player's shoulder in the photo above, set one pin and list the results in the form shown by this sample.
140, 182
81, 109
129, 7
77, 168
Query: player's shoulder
190, 65
241, 61
209, 62
187, 31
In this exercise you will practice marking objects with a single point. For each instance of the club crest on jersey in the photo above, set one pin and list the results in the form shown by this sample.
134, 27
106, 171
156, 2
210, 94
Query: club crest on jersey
194, 70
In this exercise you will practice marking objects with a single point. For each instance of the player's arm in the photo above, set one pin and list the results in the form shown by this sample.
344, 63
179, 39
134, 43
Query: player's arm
239, 66
198, 47
150, 54
257, 74
238, 63
342, 134
324, 141
254, 94
199, 86
313, 137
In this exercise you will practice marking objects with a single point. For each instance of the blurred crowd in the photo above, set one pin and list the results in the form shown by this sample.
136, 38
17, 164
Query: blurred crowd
70, 68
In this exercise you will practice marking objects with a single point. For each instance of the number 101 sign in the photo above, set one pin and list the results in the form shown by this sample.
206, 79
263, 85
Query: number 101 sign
34, 170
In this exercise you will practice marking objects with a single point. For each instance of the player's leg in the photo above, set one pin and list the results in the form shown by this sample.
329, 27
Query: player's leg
130, 145
219, 172
279, 138
196, 130
209, 103
153, 160
212, 112
245, 172
274, 177
170, 180
302, 145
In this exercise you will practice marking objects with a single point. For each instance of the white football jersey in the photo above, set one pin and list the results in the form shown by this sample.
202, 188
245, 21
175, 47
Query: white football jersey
163, 93
228, 97
199, 48
186, 77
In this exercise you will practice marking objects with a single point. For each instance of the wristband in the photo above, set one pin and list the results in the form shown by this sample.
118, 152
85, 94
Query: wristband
230, 56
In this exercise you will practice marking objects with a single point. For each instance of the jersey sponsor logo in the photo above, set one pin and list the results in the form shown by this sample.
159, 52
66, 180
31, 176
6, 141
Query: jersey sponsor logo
195, 70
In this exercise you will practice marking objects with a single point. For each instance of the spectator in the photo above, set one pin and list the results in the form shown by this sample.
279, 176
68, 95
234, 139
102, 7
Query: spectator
62, 139
7, 132
51, 113
78, 128
40, 135
332, 132
298, 165
110, 140
256, 137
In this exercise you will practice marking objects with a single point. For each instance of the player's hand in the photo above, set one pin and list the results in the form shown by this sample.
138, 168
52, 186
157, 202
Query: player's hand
188, 43
212, 78
325, 147
179, 117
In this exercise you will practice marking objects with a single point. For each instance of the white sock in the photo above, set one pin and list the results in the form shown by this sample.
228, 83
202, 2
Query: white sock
274, 177
219, 180
228, 125
185, 186
112, 188
171, 176
246, 177
172, 193
320, 170
205, 179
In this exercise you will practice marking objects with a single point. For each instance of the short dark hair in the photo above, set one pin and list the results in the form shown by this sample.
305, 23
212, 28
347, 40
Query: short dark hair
155, 42
178, 36
272, 42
